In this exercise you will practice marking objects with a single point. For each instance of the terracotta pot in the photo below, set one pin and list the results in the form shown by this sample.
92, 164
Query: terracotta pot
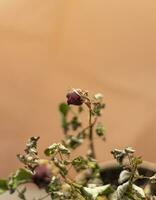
110, 173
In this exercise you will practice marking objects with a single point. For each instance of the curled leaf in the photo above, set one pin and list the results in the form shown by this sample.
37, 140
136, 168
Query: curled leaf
93, 193
124, 176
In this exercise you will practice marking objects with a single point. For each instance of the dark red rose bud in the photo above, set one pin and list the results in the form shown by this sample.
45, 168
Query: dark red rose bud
74, 98
42, 176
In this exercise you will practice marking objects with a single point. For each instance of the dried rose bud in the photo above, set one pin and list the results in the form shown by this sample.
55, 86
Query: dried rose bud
74, 97
42, 176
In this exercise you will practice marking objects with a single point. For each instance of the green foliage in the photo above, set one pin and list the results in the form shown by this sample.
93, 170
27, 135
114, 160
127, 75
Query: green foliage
55, 148
54, 172
54, 188
72, 141
30, 158
97, 109
20, 177
3, 186
71, 119
100, 130
75, 123
62, 165
81, 163
64, 110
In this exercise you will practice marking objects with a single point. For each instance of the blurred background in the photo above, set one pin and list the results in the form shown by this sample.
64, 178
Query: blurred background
48, 47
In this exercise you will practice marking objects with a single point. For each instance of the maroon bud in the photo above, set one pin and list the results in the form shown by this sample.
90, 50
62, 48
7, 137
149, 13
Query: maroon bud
74, 98
42, 176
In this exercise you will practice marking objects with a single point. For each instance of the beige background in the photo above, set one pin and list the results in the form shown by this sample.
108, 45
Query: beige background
103, 46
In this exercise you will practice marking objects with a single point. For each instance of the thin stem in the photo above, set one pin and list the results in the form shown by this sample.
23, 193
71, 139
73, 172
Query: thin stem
86, 128
133, 174
60, 155
91, 143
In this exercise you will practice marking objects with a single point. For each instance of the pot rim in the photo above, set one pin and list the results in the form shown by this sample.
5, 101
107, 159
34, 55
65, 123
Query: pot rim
113, 164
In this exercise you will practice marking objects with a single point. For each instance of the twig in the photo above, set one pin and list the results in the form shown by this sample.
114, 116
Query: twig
91, 144
88, 127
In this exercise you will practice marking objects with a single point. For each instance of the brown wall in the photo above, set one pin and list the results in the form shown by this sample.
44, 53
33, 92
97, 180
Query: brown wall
49, 46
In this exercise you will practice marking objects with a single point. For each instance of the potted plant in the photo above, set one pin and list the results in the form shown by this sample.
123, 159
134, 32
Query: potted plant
127, 179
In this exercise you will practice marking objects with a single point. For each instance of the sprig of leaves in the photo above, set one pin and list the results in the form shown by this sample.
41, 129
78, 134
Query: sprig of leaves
80, 98
52, 174
30, 158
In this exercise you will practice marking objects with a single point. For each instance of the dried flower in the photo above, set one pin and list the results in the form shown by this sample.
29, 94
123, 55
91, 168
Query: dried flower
74, 97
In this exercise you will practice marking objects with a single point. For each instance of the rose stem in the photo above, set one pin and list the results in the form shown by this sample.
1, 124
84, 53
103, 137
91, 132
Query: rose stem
91, 144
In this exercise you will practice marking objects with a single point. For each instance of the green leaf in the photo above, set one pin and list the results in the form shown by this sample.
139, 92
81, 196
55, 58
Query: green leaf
65, 124
72, 141
63, 149
100, 130
20, 177
75, 123
61, 165
30, 158
64, 109
93, 193
3, 186
54, 148
51, 149
80, 163
55, 185
98, 108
